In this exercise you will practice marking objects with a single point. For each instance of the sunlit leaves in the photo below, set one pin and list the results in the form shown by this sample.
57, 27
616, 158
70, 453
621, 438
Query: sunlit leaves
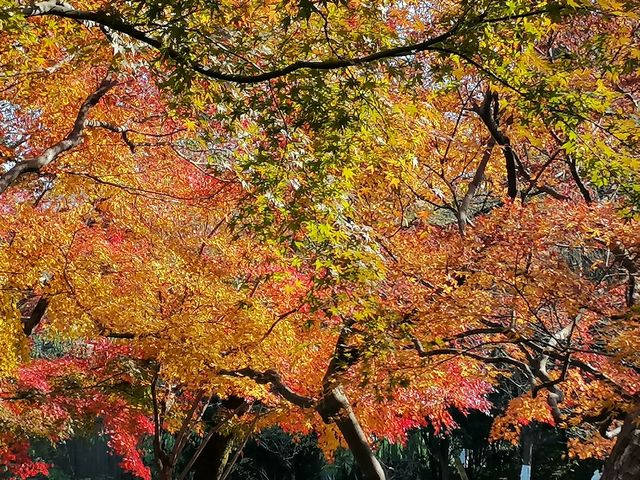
13, 339
211, 227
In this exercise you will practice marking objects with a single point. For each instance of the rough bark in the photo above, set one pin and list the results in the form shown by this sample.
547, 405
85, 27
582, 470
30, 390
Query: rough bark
624, 461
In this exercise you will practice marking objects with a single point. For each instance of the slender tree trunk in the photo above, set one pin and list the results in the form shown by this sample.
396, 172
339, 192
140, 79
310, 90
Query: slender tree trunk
165, 473
438, 449
443, 458
335, 408
624, 461
457, 462
526, 443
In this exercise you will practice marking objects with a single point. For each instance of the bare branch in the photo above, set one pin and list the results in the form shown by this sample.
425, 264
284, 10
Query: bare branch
573, 168
488, 111
161, 456
124, 132
417, 345
183, 434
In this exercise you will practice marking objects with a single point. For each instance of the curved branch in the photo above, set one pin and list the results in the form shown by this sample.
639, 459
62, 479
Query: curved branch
454, 352
271, 377
115, 22
488, 112
584, 366
573, 168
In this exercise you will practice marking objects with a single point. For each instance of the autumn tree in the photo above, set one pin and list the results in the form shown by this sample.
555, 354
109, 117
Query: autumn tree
328, 210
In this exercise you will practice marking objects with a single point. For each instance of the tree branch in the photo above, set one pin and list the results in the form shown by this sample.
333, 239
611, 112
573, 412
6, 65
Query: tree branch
633, 272
115, 22
162, 458
344, 356
183, 434
271, 377
35, 317
573, 168
71, 140
124, 132
488, 113
463, 210
417, 345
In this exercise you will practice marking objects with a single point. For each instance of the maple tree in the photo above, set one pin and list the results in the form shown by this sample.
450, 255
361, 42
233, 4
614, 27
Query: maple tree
56, 396
326, 209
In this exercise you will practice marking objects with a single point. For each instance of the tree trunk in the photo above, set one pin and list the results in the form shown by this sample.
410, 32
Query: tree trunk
211, 463
443, 458
438, 451
165, 472
624, 461
335, 408
460, 467
526, 443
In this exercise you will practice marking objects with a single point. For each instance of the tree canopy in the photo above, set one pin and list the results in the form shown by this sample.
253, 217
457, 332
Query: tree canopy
354, 217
